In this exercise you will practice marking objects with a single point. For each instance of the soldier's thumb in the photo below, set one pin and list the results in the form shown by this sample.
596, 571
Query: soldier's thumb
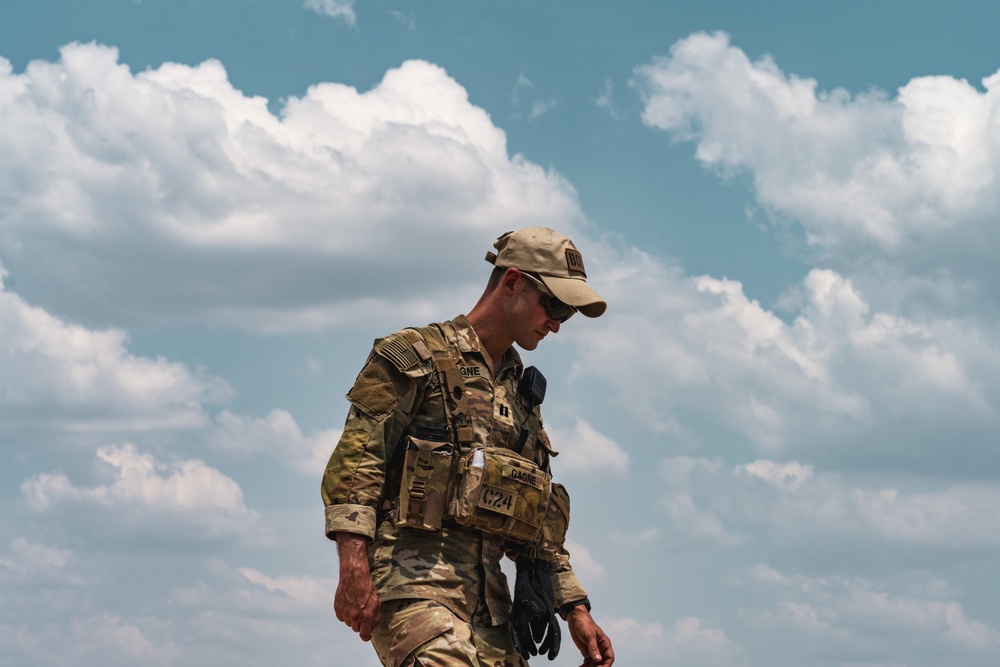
595, 652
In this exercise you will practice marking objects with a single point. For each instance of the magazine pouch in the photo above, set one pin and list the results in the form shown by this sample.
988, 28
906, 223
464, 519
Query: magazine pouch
423, 492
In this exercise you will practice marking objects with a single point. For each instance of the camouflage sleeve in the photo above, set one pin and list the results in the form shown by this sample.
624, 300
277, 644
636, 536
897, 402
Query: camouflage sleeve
565, 584
382, 401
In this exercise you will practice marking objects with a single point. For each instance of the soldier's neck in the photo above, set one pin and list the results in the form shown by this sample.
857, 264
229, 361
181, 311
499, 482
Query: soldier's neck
492, 335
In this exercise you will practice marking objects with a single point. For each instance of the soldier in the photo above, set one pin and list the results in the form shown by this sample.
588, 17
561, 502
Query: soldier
443, 468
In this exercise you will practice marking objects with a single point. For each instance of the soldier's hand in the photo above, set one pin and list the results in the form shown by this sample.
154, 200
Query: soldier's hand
356, 602
594, 645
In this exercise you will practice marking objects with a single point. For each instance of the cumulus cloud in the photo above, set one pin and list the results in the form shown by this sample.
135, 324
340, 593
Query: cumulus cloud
56, 629
65, 383
694, 516
690, 641
799, 507
901, 188
789, 474
103, 638
305, 594
63, 376
839, 381
584, 563
585, 450
277, 435
282, 614
185, 499
26, 562
226, 615
168, 195
844, 611
692, 524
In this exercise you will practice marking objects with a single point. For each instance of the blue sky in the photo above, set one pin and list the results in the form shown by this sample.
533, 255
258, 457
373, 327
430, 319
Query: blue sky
780, 440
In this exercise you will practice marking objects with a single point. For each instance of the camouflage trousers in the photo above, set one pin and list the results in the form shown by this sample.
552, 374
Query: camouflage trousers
423, 633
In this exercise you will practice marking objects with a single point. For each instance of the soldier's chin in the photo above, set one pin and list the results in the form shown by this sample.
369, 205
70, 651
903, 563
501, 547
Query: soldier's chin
529, 344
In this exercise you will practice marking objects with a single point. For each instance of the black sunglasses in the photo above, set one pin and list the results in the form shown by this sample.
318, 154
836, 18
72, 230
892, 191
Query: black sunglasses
554, 308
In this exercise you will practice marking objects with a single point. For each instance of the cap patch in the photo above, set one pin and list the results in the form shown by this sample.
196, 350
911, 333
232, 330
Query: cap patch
574, 262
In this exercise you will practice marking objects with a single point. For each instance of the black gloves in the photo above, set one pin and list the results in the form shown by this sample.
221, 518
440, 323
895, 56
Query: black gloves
534, 616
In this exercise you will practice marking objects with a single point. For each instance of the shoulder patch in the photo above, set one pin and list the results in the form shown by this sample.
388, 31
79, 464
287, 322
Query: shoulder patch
417, 341
404, 349
398, 351
378, 388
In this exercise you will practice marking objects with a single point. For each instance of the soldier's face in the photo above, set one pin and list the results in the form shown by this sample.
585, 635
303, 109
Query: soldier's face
531, 322
556, 309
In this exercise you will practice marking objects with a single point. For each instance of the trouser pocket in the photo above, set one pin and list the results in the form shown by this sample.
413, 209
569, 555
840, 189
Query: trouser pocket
407, 625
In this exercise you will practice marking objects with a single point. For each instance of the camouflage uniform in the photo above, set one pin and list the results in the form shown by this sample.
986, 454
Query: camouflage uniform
454, 570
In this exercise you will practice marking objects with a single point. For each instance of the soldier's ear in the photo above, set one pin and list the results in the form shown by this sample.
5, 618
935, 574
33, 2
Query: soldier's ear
509, 281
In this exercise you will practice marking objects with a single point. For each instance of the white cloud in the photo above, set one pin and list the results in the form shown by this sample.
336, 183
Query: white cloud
225, 615
694, 511
689, 642
125, 637
845, 610
896, 189
691, 524
145, 496
541, 107
279, 614
305, 594
168, 195
277, 436
27, 562
637, 539
208, 199
105, 639
584, 564
63, 376
584, 450
961, 515
683, 472
338, 9
791, 474
798, 507
837, 381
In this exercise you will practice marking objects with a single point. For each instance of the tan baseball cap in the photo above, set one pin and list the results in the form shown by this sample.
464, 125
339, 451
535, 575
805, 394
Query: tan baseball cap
557, 262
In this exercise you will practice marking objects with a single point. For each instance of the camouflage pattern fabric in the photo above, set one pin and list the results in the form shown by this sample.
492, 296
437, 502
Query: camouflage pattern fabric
419, 633
397, 394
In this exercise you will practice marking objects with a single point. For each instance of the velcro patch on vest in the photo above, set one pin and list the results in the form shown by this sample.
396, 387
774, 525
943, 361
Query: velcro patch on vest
524, 476
496, 499
471, 371
574, 262
502, 412
402, 355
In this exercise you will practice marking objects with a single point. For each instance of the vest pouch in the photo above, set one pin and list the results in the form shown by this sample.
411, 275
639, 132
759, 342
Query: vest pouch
553, 535
423, 491
502, 493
